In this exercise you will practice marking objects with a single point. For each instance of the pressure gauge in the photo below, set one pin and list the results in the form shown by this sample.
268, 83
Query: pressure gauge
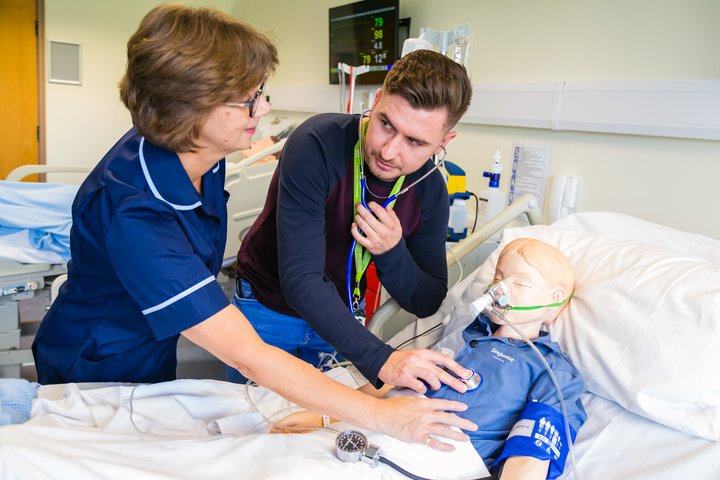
352, 446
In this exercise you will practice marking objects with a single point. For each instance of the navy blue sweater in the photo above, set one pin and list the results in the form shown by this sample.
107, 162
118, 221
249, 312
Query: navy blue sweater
295, 254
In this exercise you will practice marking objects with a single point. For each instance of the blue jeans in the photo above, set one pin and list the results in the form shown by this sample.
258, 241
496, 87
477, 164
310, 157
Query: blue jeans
288, 333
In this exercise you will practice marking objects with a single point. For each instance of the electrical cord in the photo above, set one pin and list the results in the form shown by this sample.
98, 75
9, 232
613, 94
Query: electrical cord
426, 332
477, 208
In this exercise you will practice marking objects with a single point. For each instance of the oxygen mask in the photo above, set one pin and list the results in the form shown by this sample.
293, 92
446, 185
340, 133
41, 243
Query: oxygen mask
496, 298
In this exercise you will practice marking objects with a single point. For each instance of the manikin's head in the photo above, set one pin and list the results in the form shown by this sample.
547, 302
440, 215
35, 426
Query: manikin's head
535, 273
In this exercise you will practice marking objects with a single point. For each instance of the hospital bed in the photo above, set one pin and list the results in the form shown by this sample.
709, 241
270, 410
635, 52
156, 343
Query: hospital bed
643, 329
28, 256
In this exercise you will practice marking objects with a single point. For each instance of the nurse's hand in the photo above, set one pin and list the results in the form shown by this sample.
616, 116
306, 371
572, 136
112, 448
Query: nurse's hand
405, 417
415, 419
381, 228
418, 369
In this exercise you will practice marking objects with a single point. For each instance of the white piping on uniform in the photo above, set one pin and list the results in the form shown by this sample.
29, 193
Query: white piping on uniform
151, 184
179, 296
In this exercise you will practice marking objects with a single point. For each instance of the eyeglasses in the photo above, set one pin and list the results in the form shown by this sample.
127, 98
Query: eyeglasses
252, 104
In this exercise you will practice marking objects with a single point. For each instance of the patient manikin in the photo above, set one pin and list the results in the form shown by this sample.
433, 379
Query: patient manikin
521, 431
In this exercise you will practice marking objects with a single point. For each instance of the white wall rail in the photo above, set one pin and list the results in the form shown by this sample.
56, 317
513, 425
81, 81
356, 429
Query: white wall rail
672, 108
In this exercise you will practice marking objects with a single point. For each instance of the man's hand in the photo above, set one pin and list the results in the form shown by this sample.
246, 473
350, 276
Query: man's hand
381, 228
410, 368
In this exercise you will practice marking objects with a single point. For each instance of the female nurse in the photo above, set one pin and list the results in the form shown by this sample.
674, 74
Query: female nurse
149, 229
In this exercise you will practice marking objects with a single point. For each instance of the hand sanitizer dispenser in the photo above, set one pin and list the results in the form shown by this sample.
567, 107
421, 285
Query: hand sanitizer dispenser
491, 200
458, 196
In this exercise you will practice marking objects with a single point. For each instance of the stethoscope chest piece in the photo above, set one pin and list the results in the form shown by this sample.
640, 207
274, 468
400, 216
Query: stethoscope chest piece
473, 380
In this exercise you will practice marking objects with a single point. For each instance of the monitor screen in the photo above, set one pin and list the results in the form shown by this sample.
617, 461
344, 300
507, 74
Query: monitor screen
364, 33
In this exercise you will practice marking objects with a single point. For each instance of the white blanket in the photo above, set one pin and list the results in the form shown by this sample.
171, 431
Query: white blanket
86, 433
192, 429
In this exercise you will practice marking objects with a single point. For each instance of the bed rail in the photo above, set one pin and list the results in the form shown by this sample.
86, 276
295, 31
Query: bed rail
233, 167
23, 171
527, 204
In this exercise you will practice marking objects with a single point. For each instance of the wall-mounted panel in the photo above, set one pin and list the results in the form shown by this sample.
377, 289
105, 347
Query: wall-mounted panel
64, 62
681, 109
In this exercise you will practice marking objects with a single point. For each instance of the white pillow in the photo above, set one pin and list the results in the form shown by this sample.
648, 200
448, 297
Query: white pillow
643, 326
625, 227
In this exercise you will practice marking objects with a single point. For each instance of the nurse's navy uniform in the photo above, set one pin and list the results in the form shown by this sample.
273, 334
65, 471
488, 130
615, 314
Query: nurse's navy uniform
146, 248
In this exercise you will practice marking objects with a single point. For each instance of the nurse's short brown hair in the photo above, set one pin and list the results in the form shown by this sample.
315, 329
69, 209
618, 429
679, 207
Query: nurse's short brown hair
182, 63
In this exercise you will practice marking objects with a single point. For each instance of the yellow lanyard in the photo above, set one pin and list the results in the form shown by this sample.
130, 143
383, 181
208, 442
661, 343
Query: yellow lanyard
361, 255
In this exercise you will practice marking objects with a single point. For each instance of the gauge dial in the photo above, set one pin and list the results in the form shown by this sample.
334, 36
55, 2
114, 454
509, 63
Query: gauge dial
350, 445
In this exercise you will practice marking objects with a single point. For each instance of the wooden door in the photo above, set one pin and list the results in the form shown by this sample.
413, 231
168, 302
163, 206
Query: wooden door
19, 126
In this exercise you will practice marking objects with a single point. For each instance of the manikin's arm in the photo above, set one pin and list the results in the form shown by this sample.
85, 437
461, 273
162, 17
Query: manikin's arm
309, 418
230, 337
525, 468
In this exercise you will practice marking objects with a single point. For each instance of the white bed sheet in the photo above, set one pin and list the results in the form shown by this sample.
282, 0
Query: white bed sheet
182, 429
616, 444
87, 434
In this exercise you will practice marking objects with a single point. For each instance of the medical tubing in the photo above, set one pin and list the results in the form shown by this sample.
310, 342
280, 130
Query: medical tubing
459, 264
273, 424
144, 433
348, 275
363, 186
571, 449
405, 190
477, 208
397, 467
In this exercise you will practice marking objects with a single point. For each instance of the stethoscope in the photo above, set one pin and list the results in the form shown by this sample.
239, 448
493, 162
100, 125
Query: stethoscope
363, 258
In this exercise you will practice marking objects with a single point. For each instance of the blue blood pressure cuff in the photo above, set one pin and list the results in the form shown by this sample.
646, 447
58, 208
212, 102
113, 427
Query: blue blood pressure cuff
540, 433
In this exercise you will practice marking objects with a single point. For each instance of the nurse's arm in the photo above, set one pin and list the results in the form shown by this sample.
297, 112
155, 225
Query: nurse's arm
230, 337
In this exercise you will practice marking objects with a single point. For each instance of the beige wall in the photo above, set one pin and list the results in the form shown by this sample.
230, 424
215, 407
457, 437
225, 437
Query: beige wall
524, 40
664, 180
84, 121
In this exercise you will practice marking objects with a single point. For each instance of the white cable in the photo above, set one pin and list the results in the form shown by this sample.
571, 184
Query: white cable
253, 406
571, 448
274, 424
328, 360
157, 435
459, 264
